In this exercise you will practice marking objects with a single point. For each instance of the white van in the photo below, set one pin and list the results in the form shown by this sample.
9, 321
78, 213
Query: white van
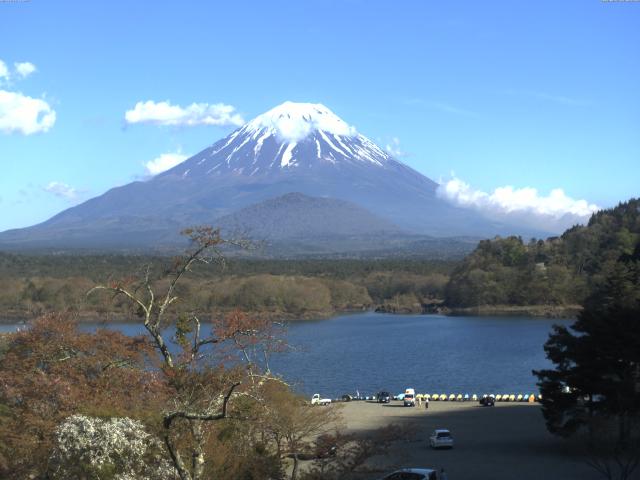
409, 397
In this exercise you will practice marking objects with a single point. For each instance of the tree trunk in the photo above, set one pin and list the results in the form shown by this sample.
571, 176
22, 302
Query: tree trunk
294, 472
175, 457
198, 451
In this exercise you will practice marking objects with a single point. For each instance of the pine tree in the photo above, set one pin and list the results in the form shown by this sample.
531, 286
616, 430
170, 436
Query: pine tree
595, 386
597, 359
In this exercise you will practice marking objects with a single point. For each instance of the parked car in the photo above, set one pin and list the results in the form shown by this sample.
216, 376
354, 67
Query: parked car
383, 397
488, 401
412, 474
441, 438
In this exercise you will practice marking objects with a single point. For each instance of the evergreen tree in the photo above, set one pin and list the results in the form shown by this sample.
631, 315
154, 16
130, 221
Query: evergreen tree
594, 390
597, 360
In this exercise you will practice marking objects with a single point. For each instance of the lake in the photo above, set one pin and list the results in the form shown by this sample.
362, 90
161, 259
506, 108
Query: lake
369, 352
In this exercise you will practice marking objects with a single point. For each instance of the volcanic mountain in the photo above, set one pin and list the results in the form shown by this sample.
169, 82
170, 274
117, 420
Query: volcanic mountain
295, 147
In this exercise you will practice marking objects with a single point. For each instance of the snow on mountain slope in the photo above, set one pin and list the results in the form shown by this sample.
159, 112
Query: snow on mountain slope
294, 121
289, 136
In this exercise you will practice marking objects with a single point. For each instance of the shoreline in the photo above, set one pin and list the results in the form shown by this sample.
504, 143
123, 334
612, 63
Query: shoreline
539, 311
545, 311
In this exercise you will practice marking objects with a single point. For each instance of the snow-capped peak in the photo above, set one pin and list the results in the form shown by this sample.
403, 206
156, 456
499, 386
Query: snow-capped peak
290, 137
293, 121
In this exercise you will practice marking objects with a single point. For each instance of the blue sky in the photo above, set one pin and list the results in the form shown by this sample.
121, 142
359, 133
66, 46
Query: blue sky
537, 94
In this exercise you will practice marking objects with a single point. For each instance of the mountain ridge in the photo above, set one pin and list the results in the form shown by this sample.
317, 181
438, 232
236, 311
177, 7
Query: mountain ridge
292, 148
298, 216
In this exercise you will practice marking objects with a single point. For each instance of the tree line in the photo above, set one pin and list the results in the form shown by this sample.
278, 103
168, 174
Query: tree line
31, 285
562, 270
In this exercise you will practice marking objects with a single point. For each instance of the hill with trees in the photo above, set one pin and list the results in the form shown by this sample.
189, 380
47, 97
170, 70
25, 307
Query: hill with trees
558, 271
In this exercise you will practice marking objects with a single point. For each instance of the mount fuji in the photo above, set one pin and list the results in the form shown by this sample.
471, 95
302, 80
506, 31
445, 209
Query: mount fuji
295, 147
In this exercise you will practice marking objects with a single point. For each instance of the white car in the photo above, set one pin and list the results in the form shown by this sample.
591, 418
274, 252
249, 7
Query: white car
441, 438
412, 474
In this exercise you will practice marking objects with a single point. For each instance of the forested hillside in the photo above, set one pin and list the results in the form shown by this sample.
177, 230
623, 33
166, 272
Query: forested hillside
30, 285
558, 271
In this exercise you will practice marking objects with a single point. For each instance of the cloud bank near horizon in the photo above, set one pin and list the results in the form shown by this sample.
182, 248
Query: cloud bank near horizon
554, 212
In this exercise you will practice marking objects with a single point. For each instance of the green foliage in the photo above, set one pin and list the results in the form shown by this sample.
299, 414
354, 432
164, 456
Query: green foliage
596, 374
184, 327
557, 271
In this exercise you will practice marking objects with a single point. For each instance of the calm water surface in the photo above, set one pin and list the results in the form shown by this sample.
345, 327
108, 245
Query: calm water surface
432, 353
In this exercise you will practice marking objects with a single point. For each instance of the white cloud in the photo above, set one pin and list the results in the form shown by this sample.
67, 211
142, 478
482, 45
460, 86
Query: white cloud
163, 113
24, 69
554, 212
23, 114
393, 148
4, 71
61, 190
164, 162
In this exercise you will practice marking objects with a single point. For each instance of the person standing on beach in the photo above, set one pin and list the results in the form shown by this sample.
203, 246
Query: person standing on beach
426, 403
419, 398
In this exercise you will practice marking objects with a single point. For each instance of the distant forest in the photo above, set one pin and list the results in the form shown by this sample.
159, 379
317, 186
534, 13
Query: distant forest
30, 285
559, 271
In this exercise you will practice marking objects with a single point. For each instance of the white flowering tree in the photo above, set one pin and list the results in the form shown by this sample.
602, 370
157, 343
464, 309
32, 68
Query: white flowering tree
113, 448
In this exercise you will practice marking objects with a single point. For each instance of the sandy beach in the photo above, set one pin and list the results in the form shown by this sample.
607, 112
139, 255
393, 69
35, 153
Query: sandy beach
508, 441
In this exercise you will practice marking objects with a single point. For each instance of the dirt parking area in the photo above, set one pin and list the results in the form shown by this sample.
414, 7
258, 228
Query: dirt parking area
505, 442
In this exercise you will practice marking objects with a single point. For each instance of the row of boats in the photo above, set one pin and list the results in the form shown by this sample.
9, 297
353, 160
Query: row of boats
453, 397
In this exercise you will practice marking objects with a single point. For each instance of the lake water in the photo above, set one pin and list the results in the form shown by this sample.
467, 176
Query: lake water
432, 353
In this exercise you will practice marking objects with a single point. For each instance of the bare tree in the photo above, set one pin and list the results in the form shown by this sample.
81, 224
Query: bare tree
201, 390
294, 425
